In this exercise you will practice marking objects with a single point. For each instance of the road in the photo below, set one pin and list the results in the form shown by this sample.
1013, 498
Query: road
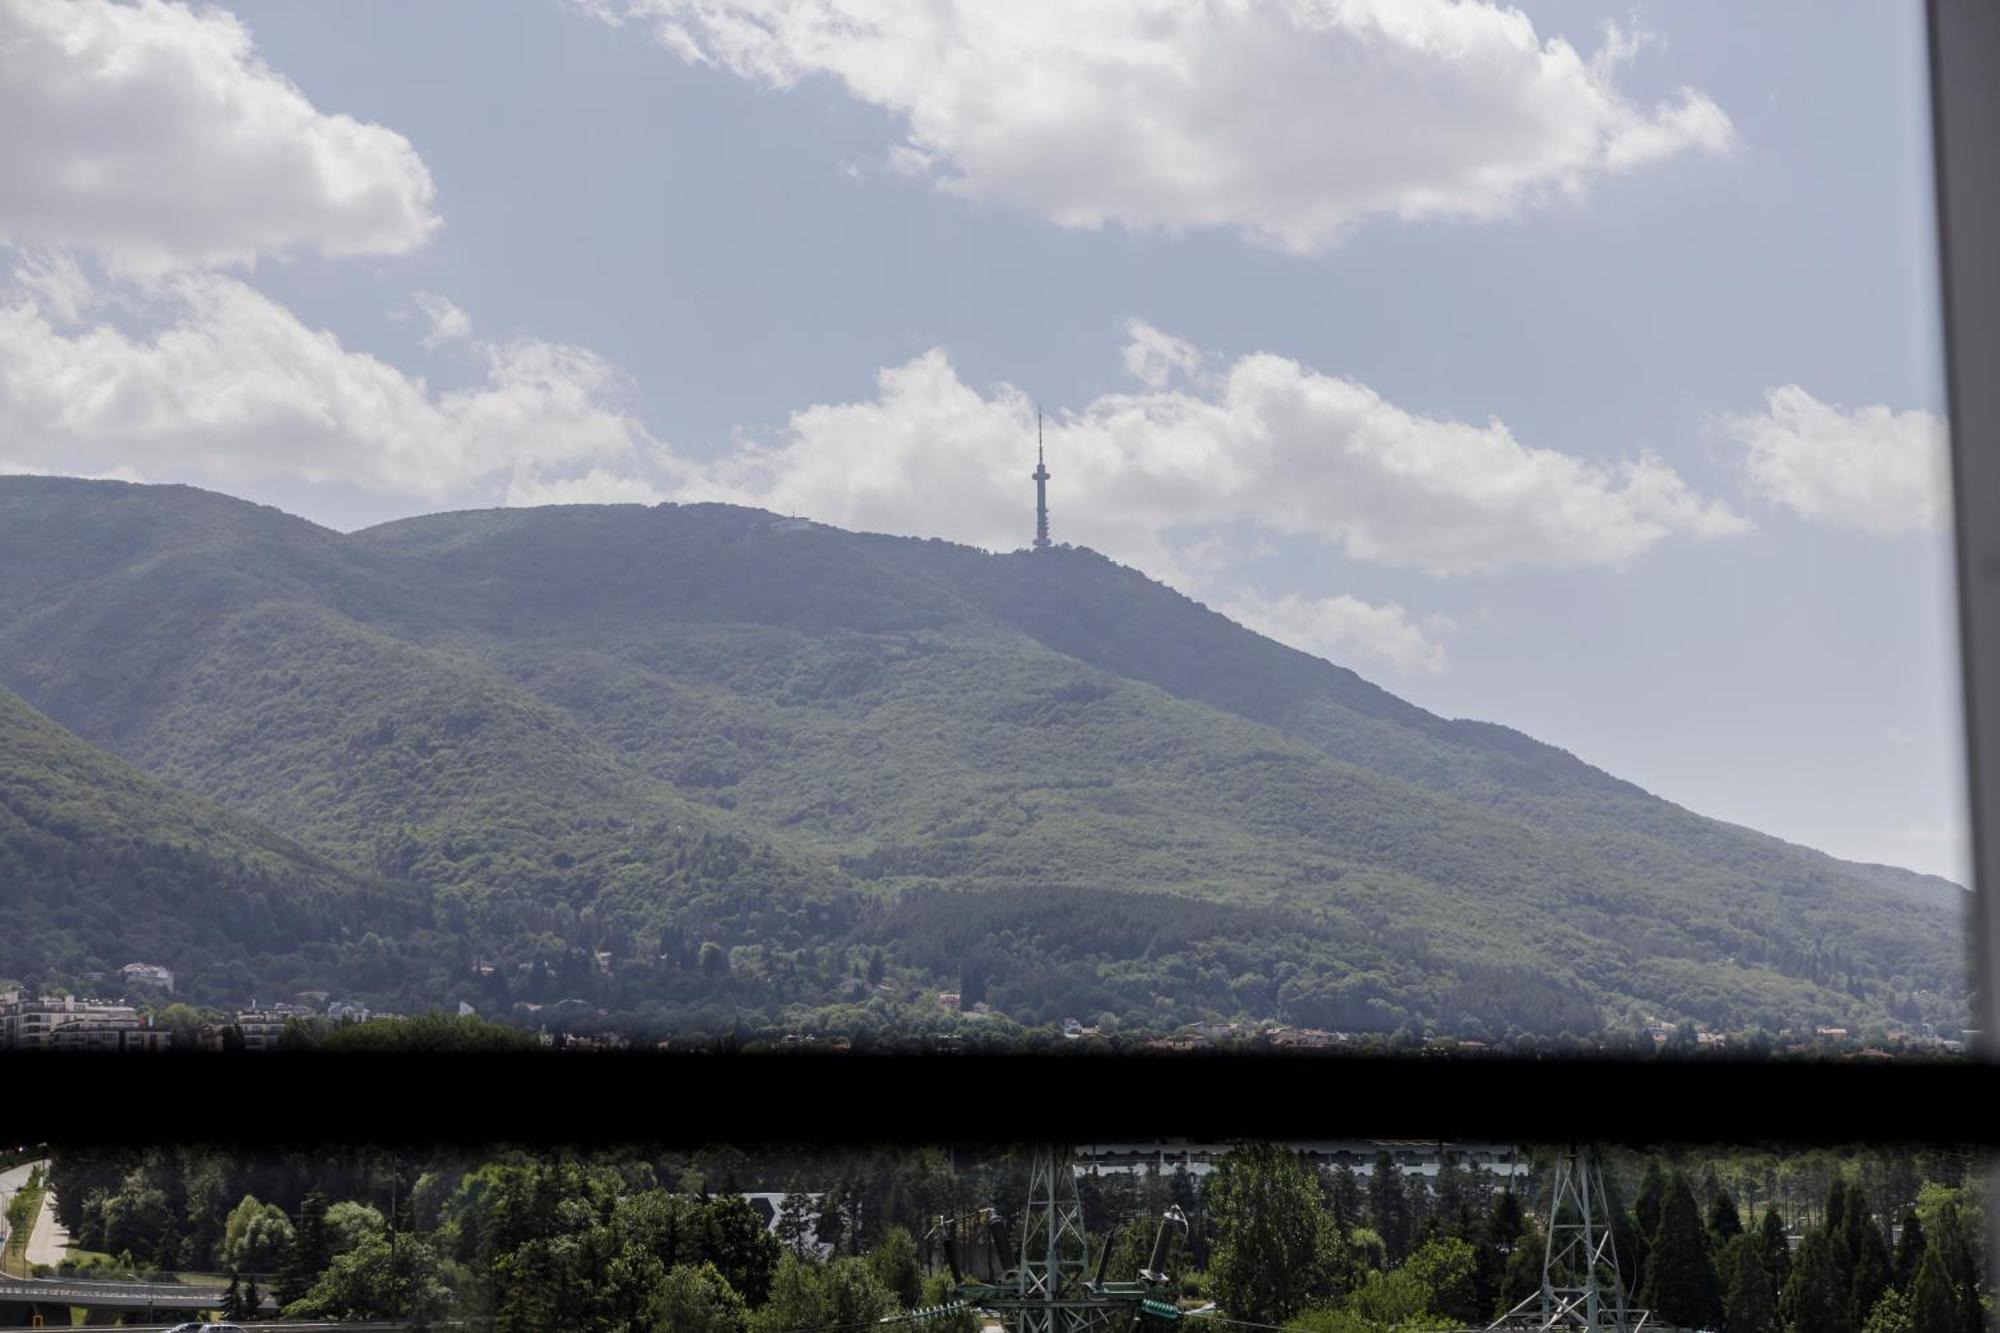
48, 1243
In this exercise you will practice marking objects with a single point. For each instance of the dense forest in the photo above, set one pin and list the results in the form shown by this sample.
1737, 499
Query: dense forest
694, 768
1768, 1241
100, 862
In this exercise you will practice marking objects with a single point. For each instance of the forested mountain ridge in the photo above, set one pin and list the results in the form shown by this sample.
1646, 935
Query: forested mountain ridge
628, 730
99, 862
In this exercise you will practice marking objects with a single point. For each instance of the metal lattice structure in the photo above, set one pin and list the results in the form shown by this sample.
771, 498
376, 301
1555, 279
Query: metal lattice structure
1055, 1253
1052, 1290
1581, 1287
1040, 476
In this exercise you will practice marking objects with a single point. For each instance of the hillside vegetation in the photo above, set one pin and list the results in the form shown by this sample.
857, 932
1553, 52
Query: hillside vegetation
688, 761
101, 865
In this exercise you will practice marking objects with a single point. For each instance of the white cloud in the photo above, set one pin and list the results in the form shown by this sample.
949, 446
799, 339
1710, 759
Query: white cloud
1342, 628
1869, 468
229, 385
1153, 357
57, 282
152, 135
448, 323
598, 486
1269, 444
1287, 119
10, 468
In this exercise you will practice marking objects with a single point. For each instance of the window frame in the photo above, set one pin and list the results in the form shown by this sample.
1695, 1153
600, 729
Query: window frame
1965, 127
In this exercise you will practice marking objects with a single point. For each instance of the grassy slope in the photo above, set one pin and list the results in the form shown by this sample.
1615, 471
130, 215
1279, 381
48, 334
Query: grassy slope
524, 706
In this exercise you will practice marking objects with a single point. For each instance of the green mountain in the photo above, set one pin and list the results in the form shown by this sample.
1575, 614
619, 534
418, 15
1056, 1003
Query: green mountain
603, 737
101, 865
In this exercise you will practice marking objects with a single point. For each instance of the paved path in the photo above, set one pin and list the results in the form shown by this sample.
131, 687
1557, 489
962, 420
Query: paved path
49, 1243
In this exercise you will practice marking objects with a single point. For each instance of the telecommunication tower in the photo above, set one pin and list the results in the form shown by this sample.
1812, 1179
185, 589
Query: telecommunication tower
1040, 476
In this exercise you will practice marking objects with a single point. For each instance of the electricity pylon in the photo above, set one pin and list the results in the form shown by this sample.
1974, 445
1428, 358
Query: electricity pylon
1052, 1290
1581, 1287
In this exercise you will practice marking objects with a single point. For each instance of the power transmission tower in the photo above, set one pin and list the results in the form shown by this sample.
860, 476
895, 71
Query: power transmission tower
1581, 1287
1052, 1290
1055, 1253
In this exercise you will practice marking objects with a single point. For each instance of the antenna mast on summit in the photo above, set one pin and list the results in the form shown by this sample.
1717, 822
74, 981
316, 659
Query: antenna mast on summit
1040, 477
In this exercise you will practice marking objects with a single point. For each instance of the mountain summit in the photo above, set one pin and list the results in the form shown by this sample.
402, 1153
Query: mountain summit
688, 760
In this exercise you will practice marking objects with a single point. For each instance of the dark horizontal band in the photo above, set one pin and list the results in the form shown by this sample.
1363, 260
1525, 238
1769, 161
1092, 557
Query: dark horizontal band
846, 1098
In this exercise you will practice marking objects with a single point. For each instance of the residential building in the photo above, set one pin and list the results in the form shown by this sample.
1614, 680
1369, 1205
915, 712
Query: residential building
70, 1022
150, 973
262, 1028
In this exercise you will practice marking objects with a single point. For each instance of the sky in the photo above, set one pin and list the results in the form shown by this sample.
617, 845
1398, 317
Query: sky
1579, 375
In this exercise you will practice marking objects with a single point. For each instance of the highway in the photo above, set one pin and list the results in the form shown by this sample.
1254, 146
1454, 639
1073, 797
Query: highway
299, 1326
123, 1295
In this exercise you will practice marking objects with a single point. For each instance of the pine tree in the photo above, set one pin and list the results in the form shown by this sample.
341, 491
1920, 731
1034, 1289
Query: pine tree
1420, 1208
232, 1299
1815, 1298
1934, 1305
1836, 1208
1451, 1201
795, 1221
1342, 1191
1777, 1255
1388, 1208
167, 1253
1646, 1216
1869, 1269
830, 1226
1711, 1184
1503, 1227
1680, 1279
1724, 1222
1625, 1236
253, 1300
1522, 1276
1958, 1253
1749, 1306
1909, 1250
310, 1250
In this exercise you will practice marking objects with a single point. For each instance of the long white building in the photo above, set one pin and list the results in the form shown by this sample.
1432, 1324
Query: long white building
1421, 1157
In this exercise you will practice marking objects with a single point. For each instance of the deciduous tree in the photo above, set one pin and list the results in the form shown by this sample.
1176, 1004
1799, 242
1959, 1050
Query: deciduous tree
1274, 1244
